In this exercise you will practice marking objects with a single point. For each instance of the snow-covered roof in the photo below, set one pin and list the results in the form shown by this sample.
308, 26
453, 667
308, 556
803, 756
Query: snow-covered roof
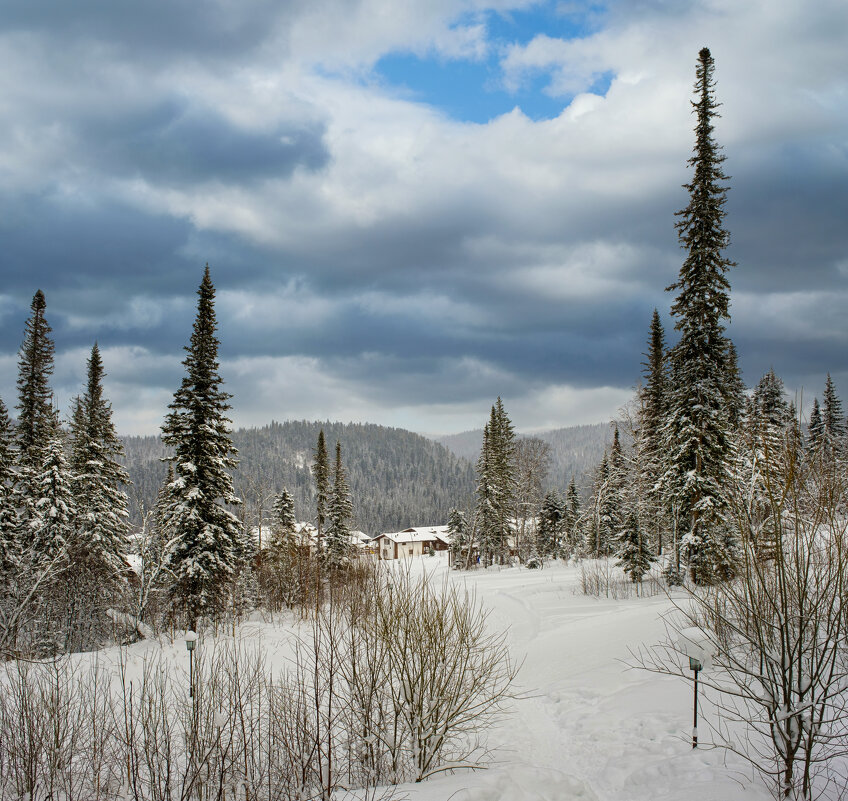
418, 534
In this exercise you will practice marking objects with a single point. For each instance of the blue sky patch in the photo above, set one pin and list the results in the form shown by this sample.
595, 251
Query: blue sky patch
472, 90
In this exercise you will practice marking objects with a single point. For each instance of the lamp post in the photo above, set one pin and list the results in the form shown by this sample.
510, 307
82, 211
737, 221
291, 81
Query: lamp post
697, 644
695, 667
191, 642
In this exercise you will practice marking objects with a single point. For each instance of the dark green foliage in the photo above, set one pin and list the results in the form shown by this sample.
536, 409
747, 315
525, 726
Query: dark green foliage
633, 553
321, 474
98, 481
36, 419
552, 518
703, 397
833, 419
398, 478
204, 536
496, 486
459, 536
339, 514
571, 521
650, 455
284, 519
816, 426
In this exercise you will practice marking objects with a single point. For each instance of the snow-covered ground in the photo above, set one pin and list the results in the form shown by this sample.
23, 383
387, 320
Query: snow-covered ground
594, 728
590, 727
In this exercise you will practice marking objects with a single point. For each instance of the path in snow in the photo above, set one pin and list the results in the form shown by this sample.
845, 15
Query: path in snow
592, 728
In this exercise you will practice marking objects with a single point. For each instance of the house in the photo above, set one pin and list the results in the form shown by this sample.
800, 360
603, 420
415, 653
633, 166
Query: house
415, 541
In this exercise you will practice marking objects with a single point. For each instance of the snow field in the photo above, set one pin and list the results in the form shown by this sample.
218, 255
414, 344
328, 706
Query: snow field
587, 726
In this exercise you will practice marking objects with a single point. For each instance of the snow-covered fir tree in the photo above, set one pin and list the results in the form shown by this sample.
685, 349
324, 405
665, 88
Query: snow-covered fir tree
551, 525
571, 520
52, 525
284, 520
650, 454
321, 475
459, 536
98, 481
762, 464
815, 427
36, 418
832, 418
35, 398
697, 432
204, 536
496, 486
634, 556
339, 514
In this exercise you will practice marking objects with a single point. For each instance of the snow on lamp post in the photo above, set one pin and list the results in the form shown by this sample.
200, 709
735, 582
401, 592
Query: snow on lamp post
696, 644
191, 642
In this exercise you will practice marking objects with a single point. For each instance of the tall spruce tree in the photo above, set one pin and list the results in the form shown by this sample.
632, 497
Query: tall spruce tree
36, 418
459, 539
496, 486
815, 429
551, 525
697, 431
571, 521
99, 478
321, 474
339, 514
833, 419
650, 453
205, 535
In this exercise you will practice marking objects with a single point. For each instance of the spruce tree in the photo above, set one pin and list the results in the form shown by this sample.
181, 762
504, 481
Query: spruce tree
205, 536
571, 521
633, 553
284, 516
551, 525
51, 527
99, 478
650, 453
458, 533
339, 514
321, 474
762, 464
832, 417
36, 418
617, 483
816, 428
701, 399
496, 486
504, 478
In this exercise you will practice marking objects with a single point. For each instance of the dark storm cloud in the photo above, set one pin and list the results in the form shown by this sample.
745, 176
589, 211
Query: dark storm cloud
178, 28
177, 143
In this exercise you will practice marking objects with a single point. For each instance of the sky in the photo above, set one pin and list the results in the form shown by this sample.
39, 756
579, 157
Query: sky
410, 208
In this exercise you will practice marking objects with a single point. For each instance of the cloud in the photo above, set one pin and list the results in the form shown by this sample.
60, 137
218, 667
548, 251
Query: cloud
376, 258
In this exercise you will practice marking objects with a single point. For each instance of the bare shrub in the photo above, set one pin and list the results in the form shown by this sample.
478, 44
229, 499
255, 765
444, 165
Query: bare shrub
601, 578
779, 633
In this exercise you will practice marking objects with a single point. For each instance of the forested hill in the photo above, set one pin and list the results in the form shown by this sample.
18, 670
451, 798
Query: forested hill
575, 450
397, 478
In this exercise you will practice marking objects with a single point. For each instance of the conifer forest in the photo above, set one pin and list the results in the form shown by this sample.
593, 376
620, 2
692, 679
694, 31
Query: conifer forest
650, 607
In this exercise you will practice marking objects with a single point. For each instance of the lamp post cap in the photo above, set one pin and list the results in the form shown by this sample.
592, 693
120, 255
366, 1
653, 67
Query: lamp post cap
190, 639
